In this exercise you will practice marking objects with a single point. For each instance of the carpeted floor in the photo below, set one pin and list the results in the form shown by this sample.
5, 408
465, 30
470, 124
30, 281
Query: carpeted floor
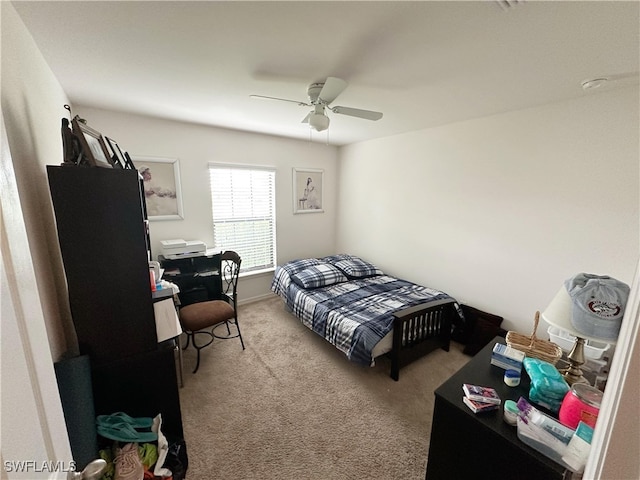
291, 406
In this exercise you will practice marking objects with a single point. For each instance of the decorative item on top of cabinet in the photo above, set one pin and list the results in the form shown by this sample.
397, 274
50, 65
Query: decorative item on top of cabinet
94, 150
85, 146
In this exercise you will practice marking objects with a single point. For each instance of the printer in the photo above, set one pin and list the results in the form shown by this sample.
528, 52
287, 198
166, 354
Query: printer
179, 248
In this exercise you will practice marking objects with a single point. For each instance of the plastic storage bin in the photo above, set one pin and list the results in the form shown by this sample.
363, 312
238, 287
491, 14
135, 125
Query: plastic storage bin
566, 341
537, 439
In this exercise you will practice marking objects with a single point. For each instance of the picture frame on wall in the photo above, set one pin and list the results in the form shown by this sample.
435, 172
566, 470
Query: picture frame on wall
307, 190
94, 149
162, 189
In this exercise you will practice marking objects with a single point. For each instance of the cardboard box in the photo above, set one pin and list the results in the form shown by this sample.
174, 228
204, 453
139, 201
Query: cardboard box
507, 357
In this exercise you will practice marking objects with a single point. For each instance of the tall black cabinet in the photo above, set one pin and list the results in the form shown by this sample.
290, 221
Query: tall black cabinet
103, 241
103, 236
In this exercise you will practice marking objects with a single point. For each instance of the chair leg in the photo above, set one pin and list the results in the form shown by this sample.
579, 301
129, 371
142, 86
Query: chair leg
239, 333
227, 324
197, 360
199, 347
186, 345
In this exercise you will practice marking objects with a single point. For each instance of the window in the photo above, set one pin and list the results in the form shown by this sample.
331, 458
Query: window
244, 219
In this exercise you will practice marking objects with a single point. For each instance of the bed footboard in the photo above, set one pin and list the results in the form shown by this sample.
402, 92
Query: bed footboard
419, 330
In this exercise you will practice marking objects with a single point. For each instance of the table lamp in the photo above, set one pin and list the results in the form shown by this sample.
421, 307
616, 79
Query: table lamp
558, 314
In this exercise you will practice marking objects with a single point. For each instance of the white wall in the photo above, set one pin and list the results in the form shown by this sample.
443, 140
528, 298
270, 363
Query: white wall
33, 320
499, 211
33, 106
298, 236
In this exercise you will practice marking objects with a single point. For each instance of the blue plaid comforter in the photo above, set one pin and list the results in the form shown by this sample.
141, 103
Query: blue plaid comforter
352, 315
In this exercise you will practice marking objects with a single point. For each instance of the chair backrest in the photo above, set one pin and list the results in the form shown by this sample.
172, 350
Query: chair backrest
229, 273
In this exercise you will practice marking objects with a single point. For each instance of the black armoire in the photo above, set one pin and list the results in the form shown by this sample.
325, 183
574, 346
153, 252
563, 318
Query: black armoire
103, 235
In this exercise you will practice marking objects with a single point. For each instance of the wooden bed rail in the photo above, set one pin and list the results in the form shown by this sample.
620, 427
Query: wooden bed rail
419, 330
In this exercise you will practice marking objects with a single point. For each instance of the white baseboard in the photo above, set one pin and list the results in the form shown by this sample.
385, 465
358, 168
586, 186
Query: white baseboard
257, 298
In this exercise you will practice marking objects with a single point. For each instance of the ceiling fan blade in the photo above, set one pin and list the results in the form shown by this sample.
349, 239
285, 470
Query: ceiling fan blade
306, 119
605, 79
356, 112
262, 97
332, 88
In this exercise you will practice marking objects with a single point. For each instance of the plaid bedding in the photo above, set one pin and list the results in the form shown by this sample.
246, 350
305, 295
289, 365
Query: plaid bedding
321, 275
354, 315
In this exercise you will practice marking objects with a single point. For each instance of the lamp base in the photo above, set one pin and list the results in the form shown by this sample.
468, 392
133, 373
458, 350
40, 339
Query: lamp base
572, 378
573, 373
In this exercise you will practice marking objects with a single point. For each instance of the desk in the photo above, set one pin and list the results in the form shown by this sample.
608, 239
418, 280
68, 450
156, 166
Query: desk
197, 277
468, 445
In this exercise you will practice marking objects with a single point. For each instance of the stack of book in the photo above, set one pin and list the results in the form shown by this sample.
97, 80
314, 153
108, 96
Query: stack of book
480, 399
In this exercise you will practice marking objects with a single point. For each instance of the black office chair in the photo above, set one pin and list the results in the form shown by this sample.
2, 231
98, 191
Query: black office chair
205, 317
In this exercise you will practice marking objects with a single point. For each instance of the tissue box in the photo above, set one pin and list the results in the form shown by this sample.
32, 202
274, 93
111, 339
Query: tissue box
507, 357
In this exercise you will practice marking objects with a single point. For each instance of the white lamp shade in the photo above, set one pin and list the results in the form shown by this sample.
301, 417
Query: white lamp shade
319, 121
558, 314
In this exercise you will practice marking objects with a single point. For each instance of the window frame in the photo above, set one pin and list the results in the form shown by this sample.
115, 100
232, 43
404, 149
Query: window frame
254, 270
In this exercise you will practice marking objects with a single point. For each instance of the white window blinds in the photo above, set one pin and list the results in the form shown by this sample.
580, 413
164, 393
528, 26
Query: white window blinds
244, 220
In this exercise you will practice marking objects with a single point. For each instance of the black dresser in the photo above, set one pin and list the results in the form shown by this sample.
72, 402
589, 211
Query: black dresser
483, 445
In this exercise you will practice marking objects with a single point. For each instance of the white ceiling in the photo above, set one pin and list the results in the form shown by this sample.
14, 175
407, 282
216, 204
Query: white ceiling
421, 63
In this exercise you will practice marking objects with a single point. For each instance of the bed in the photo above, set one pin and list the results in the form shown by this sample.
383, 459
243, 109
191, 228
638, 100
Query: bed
363, 312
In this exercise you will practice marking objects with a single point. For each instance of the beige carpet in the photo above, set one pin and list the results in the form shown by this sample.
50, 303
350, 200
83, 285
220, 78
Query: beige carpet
291, 406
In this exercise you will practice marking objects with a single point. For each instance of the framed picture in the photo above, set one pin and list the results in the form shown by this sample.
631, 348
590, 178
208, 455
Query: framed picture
117, 157
307, 190
161, 180
94, 150
129, 162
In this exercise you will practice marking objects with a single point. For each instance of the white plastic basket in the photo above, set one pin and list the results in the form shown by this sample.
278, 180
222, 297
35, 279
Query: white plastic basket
566, 341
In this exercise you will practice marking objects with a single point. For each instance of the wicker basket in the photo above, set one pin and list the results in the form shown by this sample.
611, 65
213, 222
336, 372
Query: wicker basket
533, 346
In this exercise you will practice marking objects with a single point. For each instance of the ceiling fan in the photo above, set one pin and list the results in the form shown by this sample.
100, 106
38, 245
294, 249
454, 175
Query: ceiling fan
597, 82
320, 97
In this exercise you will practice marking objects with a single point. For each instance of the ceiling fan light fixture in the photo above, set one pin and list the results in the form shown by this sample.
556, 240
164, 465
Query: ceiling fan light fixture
318, 121
592, 83
321, 95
